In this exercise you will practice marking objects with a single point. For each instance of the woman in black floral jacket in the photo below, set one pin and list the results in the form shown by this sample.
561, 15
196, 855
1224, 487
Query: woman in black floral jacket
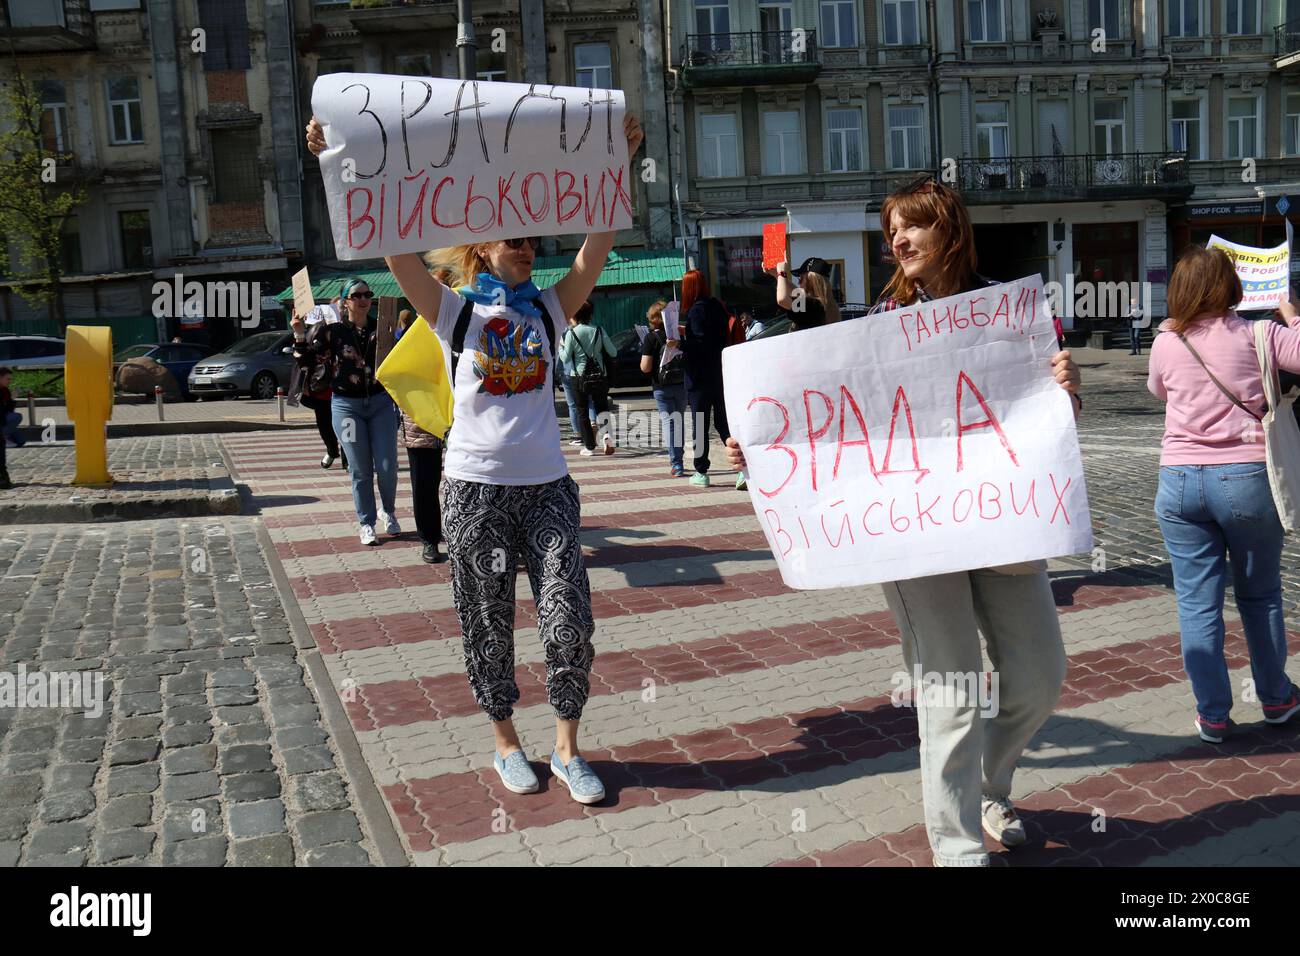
365, 418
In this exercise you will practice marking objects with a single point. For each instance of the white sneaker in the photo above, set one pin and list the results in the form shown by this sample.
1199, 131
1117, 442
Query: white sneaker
576, 441
390, 523
587, 452
368, 534
1001, 822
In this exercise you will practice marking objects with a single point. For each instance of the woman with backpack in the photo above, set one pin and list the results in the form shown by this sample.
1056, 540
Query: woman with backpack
669, 383
509, 496
704, 326
586, 346
364, 416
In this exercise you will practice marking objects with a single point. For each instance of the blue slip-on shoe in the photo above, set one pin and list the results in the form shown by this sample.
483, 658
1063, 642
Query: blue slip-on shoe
515, 773
584, 786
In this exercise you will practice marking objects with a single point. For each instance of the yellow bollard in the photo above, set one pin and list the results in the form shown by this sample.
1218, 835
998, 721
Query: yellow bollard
88, 386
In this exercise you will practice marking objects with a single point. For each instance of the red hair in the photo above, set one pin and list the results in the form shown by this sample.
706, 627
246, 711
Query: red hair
931, 204
693, 289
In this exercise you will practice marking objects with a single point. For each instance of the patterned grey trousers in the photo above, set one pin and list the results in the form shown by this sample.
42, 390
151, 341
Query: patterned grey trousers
488, 528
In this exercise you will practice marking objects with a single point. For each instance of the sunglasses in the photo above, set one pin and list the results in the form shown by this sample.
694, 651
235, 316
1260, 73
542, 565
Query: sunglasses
362, 295
519, 243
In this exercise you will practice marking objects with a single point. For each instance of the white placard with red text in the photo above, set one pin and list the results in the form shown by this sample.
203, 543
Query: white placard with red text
417, 163
920, 441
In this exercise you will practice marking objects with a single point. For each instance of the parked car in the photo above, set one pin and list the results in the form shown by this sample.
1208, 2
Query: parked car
254, 366
25, 351
626, 372
179, 358
782, 323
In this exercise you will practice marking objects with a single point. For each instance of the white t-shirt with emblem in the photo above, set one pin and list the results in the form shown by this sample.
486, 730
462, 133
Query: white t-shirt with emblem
504, 431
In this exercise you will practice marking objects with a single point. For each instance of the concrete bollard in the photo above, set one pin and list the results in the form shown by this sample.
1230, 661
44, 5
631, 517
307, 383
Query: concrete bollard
279, 400
157, 399
31, 408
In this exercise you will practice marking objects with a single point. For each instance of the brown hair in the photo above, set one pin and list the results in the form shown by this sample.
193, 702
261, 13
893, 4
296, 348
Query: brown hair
1204, 281
817, 286
929, 203
584, 313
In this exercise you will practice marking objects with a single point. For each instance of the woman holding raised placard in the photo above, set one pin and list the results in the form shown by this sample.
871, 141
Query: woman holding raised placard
508, 491
967, 759
1215, 500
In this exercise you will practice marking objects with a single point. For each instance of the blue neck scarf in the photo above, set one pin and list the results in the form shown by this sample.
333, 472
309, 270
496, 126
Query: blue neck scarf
484, 291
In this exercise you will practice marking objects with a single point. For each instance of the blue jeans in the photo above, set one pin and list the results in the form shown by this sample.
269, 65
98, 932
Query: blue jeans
571, 396
11, 424
1208, 513
673, 410
367, 430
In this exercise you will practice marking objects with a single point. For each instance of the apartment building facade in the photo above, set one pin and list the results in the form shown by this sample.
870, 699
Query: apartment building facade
1092, 139
178, 119
594, 43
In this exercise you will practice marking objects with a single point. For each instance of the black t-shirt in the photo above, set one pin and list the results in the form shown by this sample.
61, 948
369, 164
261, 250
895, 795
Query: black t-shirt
812, 316
653, 346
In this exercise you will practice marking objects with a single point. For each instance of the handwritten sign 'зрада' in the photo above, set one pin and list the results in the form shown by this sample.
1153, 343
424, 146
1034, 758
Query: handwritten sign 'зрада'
919, 441
416, 163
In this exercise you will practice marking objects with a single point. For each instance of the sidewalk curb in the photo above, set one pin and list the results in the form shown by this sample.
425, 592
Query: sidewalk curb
369, 800
146, 429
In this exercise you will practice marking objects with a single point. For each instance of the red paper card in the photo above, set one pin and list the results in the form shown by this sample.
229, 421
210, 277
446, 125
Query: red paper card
773, 244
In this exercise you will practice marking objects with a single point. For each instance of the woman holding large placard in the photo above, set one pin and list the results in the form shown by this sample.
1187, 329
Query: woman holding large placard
1215, 500
508, 491
967, 758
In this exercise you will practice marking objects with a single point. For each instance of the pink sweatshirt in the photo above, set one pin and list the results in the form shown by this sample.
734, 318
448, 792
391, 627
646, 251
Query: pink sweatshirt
1201, 426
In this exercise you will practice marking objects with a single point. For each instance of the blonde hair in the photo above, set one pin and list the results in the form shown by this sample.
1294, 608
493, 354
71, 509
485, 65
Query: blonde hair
817, 286
656, 310
461, 263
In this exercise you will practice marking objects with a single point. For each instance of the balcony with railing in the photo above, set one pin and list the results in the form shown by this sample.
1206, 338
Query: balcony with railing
386, 16
750, 59
1286, 45
1074, 177
46, 26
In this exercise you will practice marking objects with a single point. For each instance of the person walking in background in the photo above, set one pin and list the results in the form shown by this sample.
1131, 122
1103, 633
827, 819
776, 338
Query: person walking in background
364, 416
576, 412
1136, 322
316, 393
424, 462
753, 325
816, 305
11, 419
1214, 502
704, 327
587, 346
668, 382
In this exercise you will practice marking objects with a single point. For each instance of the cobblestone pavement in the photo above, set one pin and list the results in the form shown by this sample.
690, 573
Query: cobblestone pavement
209, 749
736, 722
152, 476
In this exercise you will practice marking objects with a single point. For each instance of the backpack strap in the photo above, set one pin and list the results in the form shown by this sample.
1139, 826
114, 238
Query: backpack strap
458, 337
550, 326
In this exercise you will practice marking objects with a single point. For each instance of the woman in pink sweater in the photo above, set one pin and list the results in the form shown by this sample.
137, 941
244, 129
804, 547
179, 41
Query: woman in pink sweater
1214, 500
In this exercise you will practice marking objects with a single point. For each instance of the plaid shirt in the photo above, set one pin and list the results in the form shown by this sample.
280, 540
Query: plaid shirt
887, 304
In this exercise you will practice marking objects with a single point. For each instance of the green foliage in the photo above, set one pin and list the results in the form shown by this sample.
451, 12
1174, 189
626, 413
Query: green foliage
43, 384
33, 209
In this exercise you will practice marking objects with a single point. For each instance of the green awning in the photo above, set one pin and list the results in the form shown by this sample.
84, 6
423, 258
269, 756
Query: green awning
639, 267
